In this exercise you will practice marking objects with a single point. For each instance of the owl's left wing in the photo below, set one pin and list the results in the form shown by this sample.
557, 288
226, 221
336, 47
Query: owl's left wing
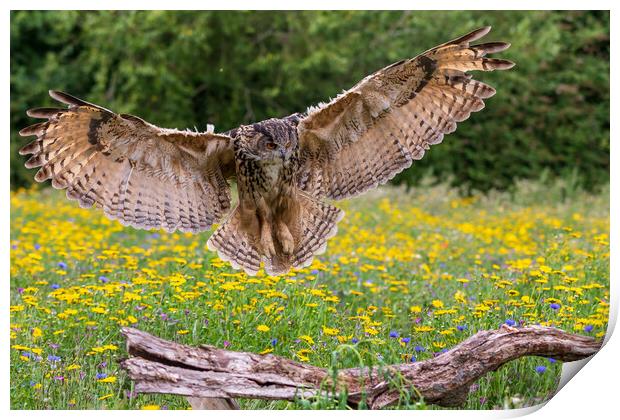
373, 131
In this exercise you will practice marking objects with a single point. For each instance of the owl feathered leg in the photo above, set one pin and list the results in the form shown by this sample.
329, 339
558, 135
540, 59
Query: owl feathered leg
289, 238
302, 233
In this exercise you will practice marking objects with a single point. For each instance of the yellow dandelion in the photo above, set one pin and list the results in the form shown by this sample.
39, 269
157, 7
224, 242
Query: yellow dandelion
330, 331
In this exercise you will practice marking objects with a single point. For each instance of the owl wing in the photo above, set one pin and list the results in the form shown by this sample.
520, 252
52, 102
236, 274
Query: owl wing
142, 175
373, 131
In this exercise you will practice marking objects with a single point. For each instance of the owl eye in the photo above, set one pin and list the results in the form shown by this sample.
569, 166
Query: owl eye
270, 146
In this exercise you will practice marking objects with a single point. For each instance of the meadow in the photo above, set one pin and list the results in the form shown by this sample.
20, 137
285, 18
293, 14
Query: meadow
410, 274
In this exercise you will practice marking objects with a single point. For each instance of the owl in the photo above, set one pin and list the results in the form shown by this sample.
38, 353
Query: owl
285, 169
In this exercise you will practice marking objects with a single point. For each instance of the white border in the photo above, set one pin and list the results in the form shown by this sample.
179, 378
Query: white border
592, 394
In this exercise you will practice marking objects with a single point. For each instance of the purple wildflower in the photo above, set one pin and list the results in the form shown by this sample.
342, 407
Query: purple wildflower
551, 360
588, 328
405, 340
37, 247
55, 286
102, 375
53, 358
355, 340
461, 327
419, 349
555, 306
226, 343
62, 265
393, 334
541, 369
103, 279
510, 322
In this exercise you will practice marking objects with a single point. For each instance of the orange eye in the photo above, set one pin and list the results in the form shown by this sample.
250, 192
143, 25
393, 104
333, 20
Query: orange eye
270, 146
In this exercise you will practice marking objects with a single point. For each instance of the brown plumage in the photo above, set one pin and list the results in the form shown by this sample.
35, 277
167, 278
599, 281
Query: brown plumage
150, 177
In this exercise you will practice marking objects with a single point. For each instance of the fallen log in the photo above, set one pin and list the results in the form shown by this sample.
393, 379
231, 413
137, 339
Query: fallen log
213, 378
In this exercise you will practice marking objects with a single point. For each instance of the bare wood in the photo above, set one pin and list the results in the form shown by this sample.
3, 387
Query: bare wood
207, 373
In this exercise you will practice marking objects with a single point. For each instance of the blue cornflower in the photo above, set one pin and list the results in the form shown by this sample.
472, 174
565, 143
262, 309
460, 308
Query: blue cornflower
555, 306
102, 375
62, 265
413, 359
419, 349
588, 328
551, 360
510, 322
405, 340
274, 341
314, 272
104, 279
52, 358
355, 340
37, 247
393, 334
55, 286
541, 369
461, 327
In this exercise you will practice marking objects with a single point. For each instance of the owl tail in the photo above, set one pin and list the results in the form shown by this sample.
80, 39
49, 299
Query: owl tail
232, 244
317, 223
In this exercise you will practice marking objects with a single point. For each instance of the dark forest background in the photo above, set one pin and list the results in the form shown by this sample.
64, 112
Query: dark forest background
550, 117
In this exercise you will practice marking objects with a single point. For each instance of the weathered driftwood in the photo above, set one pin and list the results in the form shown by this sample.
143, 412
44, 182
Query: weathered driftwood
213, 377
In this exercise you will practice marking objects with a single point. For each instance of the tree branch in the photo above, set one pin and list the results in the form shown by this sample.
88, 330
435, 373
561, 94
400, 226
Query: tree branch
214, 377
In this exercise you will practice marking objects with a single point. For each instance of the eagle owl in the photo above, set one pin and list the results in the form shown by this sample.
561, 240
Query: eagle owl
150, 177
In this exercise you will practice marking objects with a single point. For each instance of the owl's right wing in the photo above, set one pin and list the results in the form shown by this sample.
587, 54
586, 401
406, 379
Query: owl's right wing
144, 176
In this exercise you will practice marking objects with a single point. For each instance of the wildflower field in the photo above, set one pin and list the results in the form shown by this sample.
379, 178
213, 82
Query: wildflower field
409, 275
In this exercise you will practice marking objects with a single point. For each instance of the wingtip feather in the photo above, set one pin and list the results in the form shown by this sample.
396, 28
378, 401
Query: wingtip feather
473, 35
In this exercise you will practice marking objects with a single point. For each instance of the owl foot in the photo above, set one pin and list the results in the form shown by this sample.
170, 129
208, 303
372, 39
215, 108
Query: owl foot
285, 238
268, 247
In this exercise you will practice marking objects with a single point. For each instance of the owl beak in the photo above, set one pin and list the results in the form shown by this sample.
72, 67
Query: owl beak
283, 154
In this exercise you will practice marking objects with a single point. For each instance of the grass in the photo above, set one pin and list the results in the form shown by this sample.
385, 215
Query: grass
407, 276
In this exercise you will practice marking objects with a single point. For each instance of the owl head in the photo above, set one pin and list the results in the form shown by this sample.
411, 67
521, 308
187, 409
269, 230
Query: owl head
269, 140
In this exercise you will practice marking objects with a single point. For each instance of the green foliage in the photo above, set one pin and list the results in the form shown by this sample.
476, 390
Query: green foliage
185, 69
